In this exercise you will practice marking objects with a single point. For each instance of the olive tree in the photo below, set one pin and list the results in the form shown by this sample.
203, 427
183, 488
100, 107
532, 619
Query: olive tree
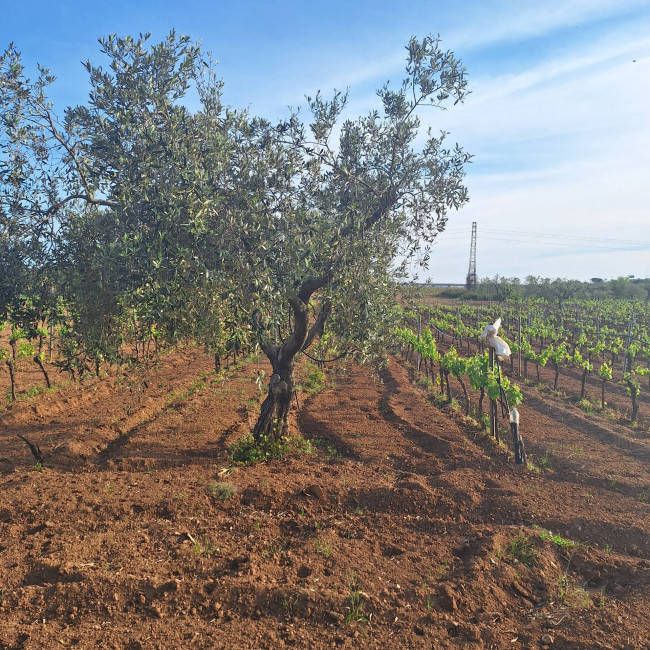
333, 208
111, 189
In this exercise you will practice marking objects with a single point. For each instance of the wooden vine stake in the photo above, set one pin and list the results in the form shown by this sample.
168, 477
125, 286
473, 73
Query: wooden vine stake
518, 443
494, 424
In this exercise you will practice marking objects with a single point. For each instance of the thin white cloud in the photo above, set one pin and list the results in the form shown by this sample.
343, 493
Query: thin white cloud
502, 22
599, 89
591, 199
570, 65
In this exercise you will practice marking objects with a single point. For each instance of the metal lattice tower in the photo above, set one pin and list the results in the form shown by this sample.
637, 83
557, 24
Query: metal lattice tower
470, 283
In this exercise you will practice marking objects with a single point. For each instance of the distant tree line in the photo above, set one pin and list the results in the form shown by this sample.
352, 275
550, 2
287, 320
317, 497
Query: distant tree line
501, 289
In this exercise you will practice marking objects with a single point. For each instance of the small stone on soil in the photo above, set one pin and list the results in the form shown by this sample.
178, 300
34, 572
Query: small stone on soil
448, 599
314, 491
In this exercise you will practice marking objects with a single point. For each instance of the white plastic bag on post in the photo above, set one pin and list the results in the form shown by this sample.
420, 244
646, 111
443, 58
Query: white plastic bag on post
501, 348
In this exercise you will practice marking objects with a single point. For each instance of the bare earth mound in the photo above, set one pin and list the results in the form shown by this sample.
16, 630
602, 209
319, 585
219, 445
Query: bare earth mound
399, 527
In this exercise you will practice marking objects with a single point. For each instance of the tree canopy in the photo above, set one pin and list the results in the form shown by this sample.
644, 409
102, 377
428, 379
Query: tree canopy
142, 213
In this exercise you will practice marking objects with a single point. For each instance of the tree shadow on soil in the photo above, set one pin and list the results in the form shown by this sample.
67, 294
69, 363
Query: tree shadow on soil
590, 531
315, 430
618, 488
592, 429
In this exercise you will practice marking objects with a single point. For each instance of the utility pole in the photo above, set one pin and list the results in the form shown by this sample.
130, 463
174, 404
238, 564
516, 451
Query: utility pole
470, 283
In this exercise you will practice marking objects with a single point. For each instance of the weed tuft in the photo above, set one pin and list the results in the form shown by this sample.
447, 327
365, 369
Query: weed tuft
324, 549
222, 490
547, 535
204, 547
521, 548
356, 602
571, 595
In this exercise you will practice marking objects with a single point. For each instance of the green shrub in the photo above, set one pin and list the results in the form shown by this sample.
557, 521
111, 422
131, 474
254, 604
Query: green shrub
315, 380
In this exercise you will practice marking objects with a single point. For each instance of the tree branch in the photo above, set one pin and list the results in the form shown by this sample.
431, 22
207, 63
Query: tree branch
88, 198
300, 338
386, 201
269, 349
318, 327
299, 335
308, 287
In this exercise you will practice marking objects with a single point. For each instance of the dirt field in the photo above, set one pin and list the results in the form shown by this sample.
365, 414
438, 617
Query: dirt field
400, 527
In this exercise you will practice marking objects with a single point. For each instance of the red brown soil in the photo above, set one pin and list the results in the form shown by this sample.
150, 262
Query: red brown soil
122, 540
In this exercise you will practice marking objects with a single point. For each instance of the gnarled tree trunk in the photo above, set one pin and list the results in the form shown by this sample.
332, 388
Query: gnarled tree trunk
273, 422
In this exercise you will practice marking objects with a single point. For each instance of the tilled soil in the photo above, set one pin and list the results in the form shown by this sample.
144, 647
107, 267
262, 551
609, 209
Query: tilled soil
400, 525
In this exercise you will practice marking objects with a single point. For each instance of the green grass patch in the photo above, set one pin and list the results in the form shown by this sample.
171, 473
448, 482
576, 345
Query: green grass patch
222, 490
521, 548
558, 540
248, 451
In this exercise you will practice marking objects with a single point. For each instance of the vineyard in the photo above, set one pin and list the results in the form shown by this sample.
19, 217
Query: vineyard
393, 519
604, 346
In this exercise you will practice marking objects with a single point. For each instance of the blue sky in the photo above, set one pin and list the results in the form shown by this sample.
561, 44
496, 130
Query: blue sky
558, 119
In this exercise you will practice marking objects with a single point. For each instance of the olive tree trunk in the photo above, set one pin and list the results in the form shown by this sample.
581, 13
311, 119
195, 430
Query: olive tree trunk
273, 422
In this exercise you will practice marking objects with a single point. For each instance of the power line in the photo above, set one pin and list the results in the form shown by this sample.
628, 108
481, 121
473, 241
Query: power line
556, 236
578, 237
539, 242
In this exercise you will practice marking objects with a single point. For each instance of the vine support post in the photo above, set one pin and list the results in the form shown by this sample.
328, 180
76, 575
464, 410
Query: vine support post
419, 356
494, 425
519, 343
520, 452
